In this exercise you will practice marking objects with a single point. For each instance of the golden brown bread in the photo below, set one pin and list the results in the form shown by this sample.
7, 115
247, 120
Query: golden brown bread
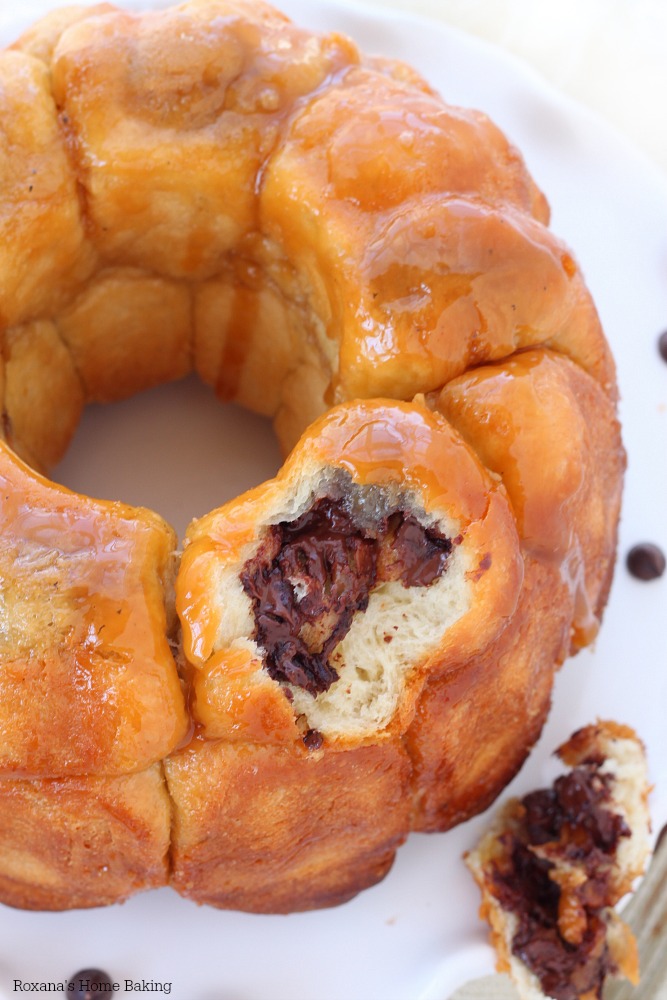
263, 850
88, 682
81, 842
325, 241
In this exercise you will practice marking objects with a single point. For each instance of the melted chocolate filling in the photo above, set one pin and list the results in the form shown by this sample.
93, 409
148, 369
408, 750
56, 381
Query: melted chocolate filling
310, 577
574, 814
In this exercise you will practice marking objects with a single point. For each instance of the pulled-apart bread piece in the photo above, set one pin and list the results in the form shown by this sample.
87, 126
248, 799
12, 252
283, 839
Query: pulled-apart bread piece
84, 632
382, 547
314, 608
548, 429
269, 828
83, 841
555, 863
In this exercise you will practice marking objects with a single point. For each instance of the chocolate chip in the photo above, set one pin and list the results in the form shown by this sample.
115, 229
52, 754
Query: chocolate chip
646, 561
662, 345
89, 984
313, 739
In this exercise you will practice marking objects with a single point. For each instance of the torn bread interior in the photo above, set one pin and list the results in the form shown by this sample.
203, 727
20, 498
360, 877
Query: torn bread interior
339, 594
327, 590
555, 863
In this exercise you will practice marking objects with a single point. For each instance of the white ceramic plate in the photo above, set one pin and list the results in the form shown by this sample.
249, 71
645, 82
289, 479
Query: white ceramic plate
416, 936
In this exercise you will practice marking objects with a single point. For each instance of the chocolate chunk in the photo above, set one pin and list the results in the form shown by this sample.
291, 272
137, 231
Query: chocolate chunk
313, 739
574, 818
567, 974
320, 575
89, 984
526, 889
312, 575
421, 552
577, 799
646, 561
662, 345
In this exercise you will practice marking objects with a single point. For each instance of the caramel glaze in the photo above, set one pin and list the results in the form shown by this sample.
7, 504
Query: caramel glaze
562, 494
84, 630
407, 232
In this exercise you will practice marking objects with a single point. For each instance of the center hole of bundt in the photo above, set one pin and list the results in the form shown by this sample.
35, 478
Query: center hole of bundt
174, 448
310, 577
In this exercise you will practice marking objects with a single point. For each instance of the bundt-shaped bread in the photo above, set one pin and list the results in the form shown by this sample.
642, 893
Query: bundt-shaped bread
366, 644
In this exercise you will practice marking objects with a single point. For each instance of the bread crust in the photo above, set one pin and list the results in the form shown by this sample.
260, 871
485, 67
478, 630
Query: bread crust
324, 240
503, 692
83, 842
243, 839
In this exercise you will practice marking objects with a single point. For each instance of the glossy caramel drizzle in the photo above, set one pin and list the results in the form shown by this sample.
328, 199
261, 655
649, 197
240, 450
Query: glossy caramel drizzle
408, 233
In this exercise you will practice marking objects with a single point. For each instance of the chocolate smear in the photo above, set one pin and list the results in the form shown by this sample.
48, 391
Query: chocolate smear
311, 576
